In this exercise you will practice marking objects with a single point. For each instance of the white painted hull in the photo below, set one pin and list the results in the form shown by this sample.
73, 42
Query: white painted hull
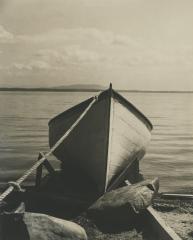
128, 140
111, 136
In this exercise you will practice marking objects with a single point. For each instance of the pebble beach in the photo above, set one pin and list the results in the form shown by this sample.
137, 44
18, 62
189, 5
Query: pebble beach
178, 214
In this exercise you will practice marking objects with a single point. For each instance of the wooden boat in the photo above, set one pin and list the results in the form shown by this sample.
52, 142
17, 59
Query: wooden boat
103, 146
106, 143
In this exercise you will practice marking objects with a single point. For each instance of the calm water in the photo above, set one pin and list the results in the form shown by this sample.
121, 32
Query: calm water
24, 132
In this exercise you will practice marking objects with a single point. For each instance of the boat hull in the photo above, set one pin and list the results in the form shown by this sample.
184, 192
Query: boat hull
110, 137
128, 140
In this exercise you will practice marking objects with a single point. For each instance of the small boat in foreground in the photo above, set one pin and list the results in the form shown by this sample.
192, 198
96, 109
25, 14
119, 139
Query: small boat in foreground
104, 138
111, 136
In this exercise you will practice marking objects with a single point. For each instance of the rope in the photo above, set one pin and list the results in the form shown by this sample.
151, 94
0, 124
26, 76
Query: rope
44, 157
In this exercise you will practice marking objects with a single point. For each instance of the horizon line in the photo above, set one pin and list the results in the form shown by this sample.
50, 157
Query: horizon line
53, 89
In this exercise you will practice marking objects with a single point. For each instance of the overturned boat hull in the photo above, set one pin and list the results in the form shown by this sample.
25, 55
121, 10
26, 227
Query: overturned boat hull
111, 136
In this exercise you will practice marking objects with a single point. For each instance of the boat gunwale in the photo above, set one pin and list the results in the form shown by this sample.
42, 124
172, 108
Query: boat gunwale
135, 111
114, 94
71, 109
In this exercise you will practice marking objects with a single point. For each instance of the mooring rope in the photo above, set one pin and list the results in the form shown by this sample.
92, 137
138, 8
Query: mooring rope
44, 157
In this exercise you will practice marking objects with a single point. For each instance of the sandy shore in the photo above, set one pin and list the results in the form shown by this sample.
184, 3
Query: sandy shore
178, 214
94, 233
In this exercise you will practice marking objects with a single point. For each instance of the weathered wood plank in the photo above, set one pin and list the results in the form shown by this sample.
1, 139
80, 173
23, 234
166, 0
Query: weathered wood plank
158, 225
177, 195
163, 231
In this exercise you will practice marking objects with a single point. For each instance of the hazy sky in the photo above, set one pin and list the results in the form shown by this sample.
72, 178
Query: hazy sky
135, 44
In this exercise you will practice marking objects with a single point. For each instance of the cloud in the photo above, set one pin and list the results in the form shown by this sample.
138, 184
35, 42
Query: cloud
89, 45
74, 46
79, 35
85, 48
47, 59
31, 66
69, 54
5, 36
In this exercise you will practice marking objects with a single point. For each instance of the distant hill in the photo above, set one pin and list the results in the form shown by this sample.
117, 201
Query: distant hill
81, 87
74, 87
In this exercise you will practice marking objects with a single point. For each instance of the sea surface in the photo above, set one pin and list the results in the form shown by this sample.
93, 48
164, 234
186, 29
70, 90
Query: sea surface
24, 120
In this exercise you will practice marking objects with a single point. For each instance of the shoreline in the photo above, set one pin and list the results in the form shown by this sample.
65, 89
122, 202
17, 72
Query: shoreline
82, 90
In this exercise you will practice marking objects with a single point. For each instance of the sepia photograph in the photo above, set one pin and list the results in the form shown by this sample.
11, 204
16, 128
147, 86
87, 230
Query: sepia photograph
96, 120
